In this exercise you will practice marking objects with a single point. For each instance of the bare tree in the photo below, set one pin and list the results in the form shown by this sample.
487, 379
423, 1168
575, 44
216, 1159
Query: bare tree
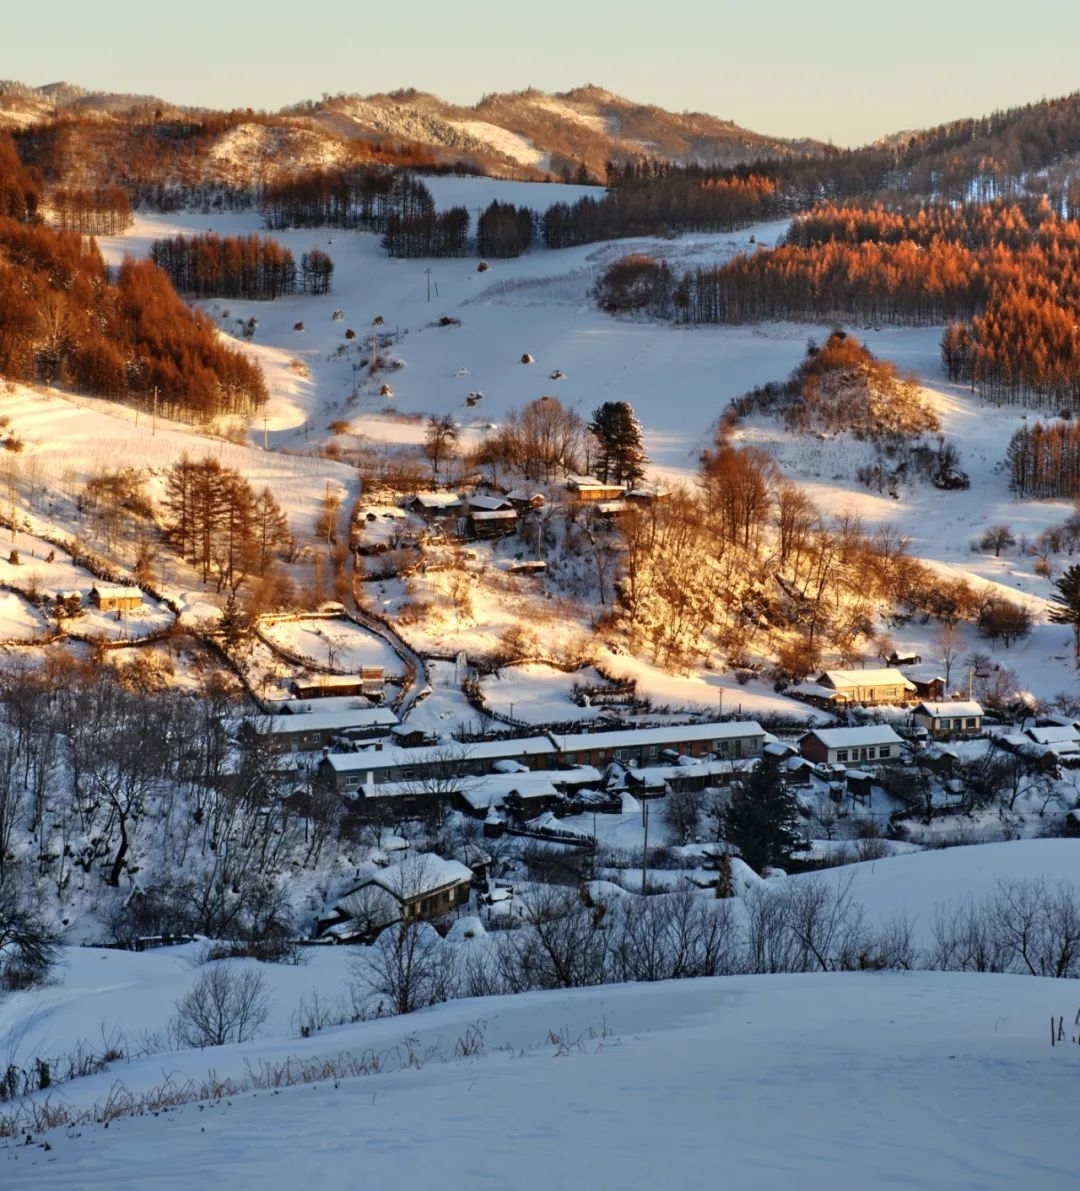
409, 965
948, 650
28, 947
226, 1004
440, 439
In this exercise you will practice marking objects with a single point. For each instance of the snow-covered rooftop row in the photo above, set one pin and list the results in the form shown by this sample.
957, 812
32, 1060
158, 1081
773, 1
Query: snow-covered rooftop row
450, 753
667, 735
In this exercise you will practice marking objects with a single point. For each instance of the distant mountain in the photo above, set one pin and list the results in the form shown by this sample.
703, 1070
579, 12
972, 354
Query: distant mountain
557, 134
524, 134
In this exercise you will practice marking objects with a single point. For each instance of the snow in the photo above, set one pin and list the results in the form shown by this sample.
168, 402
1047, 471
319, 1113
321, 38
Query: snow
914, 1079
916, 885
350, 646
918, 1080
502, 140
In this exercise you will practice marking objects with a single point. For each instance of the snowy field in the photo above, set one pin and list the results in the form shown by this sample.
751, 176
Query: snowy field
907, 1079
914, 1079
337, 645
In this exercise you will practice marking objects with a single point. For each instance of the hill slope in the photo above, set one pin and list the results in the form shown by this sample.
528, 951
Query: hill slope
920, 1079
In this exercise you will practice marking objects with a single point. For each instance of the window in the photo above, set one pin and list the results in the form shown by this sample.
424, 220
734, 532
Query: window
871, 754
885, 750
841, 754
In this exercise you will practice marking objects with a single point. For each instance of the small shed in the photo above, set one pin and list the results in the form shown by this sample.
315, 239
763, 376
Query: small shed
869, 687
434, 505
589, 489
112, 597
492, 523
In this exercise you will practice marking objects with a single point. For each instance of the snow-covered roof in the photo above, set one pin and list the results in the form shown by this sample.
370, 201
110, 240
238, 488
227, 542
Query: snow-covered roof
493, 750
950, 710
330, 682
495, 515
1056, 734
437, 500
488, 503
882, 676
117, 591
327, 721
868, 734
420, 875
814, 690
492, 789
656, 775
671, 734
320, 704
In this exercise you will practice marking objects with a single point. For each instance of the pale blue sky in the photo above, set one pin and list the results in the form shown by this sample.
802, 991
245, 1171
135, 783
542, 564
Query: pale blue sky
836, 69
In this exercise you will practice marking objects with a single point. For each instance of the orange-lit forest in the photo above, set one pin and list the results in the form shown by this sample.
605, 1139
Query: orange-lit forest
1005, 277
63, 320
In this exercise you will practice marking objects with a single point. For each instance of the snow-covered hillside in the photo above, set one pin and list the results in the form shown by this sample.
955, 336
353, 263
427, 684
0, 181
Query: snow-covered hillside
907, 1079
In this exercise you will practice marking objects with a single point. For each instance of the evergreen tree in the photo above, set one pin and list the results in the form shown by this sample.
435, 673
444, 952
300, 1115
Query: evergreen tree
616, 429
762, 817
1067, 597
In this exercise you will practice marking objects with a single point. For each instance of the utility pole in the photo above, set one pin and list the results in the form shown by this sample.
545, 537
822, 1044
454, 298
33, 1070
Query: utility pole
428, 272
645, 846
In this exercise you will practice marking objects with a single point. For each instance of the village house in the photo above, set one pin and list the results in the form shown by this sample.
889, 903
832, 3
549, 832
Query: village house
112, 597
368, 683
954, 718
433, 506
851, 746
589, 489
318, 729
422, 886
869, 687
491, 523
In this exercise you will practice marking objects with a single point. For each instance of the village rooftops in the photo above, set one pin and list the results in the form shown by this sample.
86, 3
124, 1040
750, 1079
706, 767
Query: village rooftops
449, 753
668, 735
591, 487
